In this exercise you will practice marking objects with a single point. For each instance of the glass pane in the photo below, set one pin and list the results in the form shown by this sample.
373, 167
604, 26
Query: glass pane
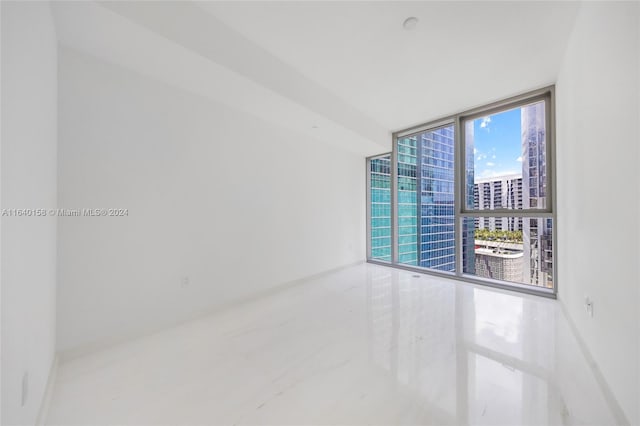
436, 199
407, 199
380, 178
506, 159
426, 199
516, 249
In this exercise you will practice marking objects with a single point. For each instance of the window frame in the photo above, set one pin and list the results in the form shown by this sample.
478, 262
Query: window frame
498, 107
546, 94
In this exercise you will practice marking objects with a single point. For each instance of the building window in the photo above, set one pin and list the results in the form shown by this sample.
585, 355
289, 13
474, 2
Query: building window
471, 196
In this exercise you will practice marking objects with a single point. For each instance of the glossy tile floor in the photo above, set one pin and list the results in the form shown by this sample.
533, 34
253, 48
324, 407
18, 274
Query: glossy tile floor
364, 345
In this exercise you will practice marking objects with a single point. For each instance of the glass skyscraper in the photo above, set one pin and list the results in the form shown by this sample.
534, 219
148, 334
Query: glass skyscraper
436, 199
380, 198
426, 219
537, 232
407, 201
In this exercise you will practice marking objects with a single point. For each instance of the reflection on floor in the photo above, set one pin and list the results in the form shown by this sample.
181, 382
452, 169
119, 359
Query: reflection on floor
364, 345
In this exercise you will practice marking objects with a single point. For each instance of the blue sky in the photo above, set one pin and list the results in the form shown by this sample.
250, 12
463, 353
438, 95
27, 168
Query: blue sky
497, 144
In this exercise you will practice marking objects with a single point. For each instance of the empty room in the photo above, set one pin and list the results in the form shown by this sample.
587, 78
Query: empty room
320, 212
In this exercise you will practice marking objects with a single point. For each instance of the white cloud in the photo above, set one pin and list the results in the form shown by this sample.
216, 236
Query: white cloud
493, 156
485, 122
490, 164
519, 159
481, 157
475, 151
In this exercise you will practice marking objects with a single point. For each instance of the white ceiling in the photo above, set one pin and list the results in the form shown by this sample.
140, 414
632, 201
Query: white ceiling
348, 68
461, 54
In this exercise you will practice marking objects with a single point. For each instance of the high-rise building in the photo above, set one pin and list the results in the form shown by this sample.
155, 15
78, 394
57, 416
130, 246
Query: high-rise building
426, 199
407, 198
469, 223
501, 192
380, 186
537, 232
435, 151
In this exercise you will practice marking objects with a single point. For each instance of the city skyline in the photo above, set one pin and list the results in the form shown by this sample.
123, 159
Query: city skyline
425, 197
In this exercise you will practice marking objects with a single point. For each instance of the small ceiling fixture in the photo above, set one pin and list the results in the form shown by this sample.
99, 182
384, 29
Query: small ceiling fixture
410, 23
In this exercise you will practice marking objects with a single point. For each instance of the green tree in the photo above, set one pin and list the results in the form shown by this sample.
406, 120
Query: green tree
498, 235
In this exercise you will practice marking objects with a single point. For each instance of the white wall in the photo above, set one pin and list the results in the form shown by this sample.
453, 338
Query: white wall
29, 134
236, 204
598, 212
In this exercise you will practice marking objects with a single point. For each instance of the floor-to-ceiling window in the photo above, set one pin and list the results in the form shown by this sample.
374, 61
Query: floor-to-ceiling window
471, 196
